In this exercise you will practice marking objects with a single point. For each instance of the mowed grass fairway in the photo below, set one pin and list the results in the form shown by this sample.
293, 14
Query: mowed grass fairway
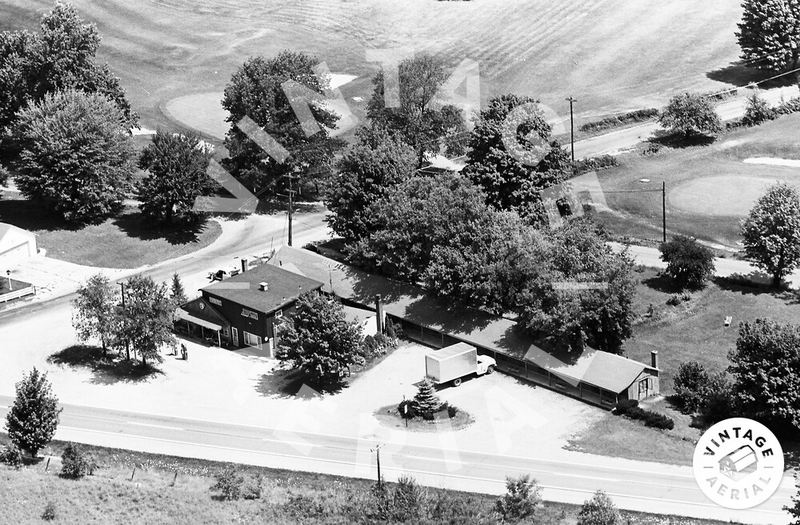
610, 54
709, 188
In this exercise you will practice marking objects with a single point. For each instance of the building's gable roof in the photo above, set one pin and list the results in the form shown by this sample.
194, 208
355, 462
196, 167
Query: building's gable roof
204, 310
284, 287
602, 369
13, 236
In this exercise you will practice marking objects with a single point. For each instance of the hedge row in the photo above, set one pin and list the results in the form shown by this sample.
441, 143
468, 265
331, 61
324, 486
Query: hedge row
630, 408
640, 115
790, 106
594, 164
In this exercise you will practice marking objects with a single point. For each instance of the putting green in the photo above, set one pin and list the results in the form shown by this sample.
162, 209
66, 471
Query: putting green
724, 195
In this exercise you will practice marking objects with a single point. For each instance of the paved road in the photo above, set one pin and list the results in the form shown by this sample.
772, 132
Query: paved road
624, 139
723, 267
667, 490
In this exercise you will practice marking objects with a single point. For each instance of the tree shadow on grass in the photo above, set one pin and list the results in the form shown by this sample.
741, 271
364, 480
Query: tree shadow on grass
672, 140
741, 285
737, 74
135, 224
662, 283
32, 216
106, 370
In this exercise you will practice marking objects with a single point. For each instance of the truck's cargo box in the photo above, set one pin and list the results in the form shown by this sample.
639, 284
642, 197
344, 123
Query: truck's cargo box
451, 362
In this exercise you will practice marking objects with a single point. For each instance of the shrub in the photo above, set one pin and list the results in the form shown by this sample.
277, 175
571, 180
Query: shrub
674, 300
690, 385
522, 497
407, 409
757, 110
428, 416
594, 164
370, 347
451, 411
75, 463
790, 106
691, 114
689, 263
686, 297
408, 500
599, 510
229, 483
640, 115
251, 489
11, 455
49, 513
393, 330
624, 406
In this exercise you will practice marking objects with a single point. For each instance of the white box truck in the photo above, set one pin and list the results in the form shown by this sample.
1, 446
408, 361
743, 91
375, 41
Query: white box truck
453, 363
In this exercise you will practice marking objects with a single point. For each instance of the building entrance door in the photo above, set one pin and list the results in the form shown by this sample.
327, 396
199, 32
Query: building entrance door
235, 335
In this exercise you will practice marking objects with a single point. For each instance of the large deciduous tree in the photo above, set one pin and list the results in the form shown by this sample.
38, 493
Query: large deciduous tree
259, 90
771, 232
60, 56
769, 34
76, 155
422, 120
95, 311
319, 340
689, 263
582, 293
766, 370
32, 420
691, 114
367, 171
177, 176
513, 156
147, 318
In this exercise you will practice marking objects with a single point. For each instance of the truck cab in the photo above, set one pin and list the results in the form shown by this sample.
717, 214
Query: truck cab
486, 365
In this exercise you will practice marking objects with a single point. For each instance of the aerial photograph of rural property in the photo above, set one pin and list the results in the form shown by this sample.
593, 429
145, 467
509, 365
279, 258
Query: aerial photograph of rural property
420, 262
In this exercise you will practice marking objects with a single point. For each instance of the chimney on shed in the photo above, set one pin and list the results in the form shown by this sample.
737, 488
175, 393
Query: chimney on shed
654, 358
244, 265
379, 313
263, 286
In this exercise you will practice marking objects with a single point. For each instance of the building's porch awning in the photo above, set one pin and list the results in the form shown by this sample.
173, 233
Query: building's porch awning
180, 313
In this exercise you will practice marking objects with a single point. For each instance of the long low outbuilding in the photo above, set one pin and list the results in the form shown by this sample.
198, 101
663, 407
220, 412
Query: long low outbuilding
595, 376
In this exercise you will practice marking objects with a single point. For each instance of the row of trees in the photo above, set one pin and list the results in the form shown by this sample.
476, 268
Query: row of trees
761, 381
65, 131
139, 317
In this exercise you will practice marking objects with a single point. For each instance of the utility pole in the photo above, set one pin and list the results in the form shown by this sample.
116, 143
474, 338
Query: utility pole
377, 451
291, 192
127, 344
663, 211
572, 100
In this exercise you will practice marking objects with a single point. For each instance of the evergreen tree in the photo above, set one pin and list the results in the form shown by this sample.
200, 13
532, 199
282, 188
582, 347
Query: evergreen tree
177, 293
769, 34
522, 497
426, 400
33, 418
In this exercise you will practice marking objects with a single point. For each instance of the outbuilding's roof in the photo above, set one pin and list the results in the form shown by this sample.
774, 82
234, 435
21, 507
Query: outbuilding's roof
602, 369
283, 288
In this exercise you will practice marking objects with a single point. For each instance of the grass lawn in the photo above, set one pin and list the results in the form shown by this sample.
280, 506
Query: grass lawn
709, 188
593, 48
692, 330
124, 241
109, 496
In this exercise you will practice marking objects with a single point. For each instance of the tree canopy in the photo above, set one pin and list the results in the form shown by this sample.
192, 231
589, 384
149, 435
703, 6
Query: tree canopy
513, 156
147, 318
766, 371
689, 263
32, 420
771, 232
691, 114
319, 340
76, 155
60, 56
367, 171
176, 166
769, 34
422, 121
256, 90
94, 311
